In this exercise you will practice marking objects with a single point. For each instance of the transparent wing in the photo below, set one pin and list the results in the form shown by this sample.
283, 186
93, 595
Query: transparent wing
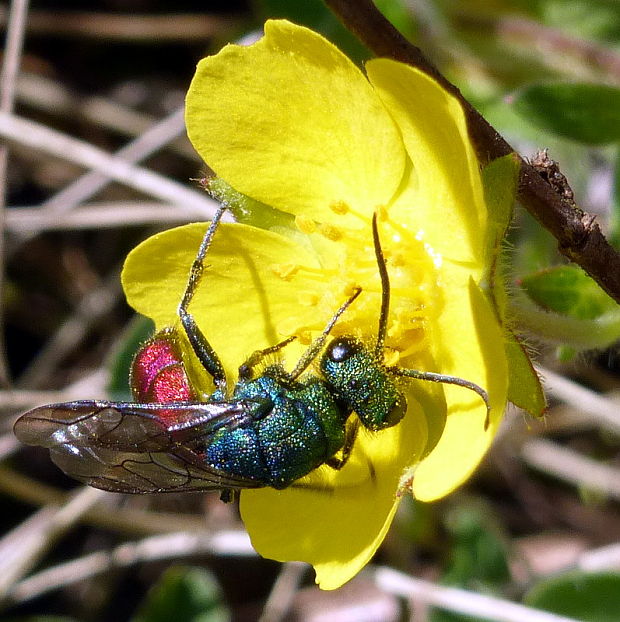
135, 448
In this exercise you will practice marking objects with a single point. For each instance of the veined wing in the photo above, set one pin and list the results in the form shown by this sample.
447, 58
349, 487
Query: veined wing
127, 426
135, 448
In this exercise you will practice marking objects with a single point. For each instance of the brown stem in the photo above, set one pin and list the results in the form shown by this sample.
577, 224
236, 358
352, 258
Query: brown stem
579, 237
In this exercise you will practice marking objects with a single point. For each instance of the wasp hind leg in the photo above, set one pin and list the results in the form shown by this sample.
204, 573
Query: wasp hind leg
199, 343
227, 495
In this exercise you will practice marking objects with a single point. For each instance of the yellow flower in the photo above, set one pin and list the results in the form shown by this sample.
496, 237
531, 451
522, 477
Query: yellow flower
291, 122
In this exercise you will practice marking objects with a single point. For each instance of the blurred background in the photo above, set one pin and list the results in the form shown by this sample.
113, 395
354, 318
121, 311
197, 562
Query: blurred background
539, 524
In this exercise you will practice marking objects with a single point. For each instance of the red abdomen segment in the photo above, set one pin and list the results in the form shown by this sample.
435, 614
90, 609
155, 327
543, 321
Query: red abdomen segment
158, 374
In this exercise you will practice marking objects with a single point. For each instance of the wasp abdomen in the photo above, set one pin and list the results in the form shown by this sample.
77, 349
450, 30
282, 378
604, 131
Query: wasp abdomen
158, 374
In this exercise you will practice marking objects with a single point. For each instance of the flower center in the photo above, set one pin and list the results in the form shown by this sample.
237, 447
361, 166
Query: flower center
348, 261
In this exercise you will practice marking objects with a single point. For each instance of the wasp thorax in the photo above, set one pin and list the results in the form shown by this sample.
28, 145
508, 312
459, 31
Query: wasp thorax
362, 384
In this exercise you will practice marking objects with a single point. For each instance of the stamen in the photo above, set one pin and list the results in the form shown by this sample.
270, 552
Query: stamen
305, 224
339, 207
330, 232
391, 357
415, 344
397, 260
285, 271
309, 299
304, 337
403, 231
322, 288
382, 213
350, 288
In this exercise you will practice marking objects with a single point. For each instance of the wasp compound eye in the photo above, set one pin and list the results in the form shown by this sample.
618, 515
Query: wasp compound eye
342, 349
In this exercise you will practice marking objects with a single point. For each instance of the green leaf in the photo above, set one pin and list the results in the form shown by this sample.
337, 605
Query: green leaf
534, 246
565, 354
184, 594
416, 521
569, 291
441, 615
587, 597
500, 180
586, 19
524, 388
399, 14
478, 558
589, 113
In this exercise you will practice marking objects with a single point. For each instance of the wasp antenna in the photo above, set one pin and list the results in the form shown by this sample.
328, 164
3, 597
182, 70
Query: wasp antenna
460, 382
317, 345
385, 289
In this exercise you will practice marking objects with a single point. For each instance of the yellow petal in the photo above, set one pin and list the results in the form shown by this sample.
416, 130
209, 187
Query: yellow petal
290, 121
339, 521
242, 301
470, 344
447, 206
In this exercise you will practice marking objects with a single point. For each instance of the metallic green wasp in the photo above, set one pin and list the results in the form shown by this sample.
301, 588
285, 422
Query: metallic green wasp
273, 428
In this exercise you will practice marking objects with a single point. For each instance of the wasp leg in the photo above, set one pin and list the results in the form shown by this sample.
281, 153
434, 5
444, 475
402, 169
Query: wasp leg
337, 462
433, 377
247, 368
203, 349
227, 495
317, 345
200, 345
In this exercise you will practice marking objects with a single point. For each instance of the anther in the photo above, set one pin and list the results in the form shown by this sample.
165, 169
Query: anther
391, 357
349, 289
309, 300
397, 260
381, 212
330, 232
304, 337
285, 271
305, 224
339, 207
